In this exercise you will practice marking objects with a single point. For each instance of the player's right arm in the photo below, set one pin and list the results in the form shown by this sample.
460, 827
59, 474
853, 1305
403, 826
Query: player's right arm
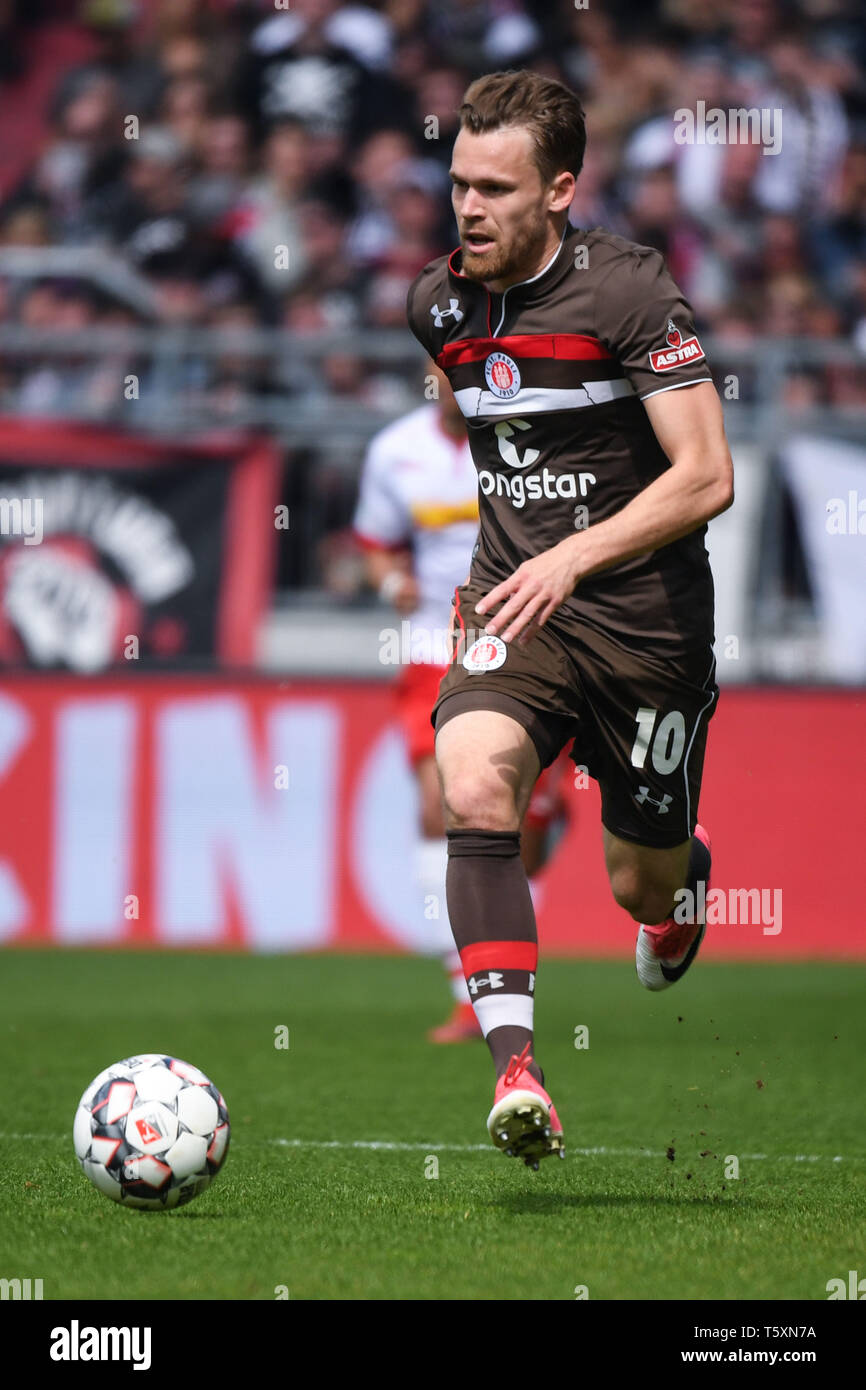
383, 528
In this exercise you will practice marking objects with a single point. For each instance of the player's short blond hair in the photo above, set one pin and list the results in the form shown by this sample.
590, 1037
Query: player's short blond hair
548, 109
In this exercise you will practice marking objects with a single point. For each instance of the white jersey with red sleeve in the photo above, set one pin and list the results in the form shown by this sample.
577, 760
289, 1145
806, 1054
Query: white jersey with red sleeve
419, 489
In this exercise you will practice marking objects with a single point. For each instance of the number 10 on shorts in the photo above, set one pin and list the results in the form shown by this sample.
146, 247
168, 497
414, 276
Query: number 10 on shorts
665, 743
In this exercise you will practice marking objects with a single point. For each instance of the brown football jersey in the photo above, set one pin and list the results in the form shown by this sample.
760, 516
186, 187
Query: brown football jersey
550, 377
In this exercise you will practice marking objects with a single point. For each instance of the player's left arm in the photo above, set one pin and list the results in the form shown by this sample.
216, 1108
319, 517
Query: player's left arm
699, 484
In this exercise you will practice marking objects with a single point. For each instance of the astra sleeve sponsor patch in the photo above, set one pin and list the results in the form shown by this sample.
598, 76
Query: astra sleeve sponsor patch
677, 350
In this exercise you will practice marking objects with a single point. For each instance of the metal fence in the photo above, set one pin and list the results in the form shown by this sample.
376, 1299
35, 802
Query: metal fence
189, 379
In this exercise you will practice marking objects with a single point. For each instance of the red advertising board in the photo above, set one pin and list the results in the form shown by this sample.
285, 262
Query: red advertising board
277, 816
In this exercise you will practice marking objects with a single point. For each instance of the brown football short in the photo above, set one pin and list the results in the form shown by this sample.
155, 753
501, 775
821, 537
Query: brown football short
638, 720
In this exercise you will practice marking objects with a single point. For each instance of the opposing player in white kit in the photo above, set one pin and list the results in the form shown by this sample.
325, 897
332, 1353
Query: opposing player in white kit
417, 521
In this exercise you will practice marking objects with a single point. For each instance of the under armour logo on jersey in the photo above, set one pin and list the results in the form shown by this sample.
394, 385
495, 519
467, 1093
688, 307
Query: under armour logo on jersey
440, 314
643, 795
493, 980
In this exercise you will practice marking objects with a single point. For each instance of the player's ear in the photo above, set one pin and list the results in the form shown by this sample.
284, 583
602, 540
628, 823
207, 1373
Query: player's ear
561, 191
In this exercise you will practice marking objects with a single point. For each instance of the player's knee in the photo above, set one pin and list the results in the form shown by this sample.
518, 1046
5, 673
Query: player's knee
647, 901
473, 801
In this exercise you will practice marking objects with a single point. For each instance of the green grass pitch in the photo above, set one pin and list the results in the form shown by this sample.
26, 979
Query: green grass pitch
763, 1063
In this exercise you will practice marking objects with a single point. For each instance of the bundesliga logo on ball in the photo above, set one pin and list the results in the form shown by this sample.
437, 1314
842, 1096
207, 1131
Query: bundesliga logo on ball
502, 375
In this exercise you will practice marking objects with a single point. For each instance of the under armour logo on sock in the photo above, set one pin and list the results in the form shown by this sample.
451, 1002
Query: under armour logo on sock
643, 795
440, 314
493, 980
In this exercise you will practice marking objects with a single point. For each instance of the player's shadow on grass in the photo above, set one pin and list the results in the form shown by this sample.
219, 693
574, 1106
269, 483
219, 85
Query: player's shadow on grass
536, 1203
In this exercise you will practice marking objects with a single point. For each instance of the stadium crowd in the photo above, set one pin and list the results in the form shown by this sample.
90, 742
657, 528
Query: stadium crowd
327, 129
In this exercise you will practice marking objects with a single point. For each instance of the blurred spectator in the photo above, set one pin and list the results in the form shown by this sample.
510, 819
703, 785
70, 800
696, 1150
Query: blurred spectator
71, 384
118, 52
372, 229
236, 377
480, 34
438, 93
332, 277
84, 156
814, 134
145, 214
224, 163
415, 195
184, 111
267, 215
838, 242
655, 219
25, 222
297, 66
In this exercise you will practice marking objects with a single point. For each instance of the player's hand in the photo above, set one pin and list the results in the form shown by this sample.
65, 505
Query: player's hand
406, 598
533, 592
400, 588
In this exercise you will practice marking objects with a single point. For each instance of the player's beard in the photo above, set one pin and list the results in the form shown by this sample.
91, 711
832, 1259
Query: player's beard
518, 258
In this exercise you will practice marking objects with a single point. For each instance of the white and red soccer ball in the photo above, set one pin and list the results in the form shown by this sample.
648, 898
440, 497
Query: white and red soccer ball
151, 1132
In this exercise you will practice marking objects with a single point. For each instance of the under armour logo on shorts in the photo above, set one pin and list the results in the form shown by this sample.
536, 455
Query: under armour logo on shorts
643, 795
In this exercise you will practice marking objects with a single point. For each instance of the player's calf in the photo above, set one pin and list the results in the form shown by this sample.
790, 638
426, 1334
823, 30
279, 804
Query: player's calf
664, 952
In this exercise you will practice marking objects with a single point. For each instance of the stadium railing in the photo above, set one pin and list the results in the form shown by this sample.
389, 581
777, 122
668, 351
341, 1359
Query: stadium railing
178, 381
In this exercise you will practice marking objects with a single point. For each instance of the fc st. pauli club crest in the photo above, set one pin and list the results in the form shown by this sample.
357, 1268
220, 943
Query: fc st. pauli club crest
485, 654
502, 375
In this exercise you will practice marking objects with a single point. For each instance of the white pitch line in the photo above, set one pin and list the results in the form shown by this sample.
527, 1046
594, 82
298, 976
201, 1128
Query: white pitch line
394, 1146
37, 1138
398, 1146
388, 1145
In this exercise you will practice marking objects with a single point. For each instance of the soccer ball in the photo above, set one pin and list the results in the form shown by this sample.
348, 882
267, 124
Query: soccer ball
151, 1132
